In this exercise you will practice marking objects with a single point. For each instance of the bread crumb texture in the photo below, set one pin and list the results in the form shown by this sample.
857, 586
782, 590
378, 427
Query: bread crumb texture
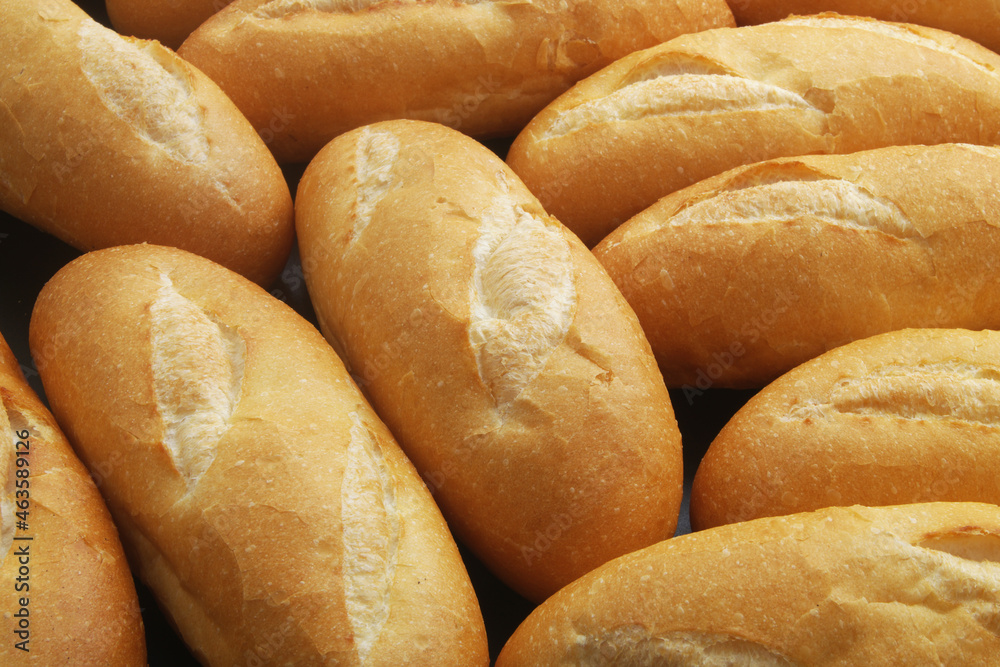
831, 201
371, 537
522, 296
148, 87
197, 365
951, 391
634, 645
8, 456
375, 158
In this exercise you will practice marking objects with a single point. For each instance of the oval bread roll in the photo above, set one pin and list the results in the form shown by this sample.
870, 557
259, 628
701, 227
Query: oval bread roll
667, 117
259, 496
910, 585
496, 349
168, 21
744, 276
908, 416
304, 71
106, 140
979, 20
67, 593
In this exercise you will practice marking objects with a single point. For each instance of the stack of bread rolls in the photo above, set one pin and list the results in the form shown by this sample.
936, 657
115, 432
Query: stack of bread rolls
519, 223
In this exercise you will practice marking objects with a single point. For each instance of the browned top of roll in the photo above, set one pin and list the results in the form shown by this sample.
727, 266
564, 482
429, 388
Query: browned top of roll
907, 585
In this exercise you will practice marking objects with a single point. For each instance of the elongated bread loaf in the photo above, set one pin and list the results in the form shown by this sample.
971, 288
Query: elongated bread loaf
106, 141
168, 21
744, 276
257, 494
495, 347
979, 20
304, 71
670, 116
909, 585
908, 416
67, 593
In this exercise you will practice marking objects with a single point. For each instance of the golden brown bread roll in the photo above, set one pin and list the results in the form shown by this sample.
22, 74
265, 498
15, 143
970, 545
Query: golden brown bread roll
908, 416
909, 585
744, 276
67, 593
168, 21
979, 20
106, 140
258, 495
304, 71
667, 117
496, 349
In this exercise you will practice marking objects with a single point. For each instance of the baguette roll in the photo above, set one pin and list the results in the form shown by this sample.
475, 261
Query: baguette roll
675, 114
167, 21
257, 494
106, 141
907, 585
744, 276
67, 593
496, 349
305, 71
979, 20
904, 417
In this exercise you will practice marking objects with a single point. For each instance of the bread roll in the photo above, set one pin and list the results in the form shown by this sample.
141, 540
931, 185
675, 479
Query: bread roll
258, 495
496, 349
670, 116
909, 585
979, 20
67, 593
106, 141
304, 71
908, 416
168, 21
744, 276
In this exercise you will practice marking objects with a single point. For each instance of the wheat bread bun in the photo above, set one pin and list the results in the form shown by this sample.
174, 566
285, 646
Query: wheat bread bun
979, 20
675, 114
305, 71
907, 585
904, 417
496, 349
67, 593
257, 494
106, 140
167, 21
746, 275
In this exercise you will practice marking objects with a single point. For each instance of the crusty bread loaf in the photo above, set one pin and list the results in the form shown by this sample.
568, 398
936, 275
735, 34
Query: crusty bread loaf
908, 585
304, 71
744, 276
106, 141
67, 593
670, 116
496, 349
167, 21
257, 494
979, 20
908, 416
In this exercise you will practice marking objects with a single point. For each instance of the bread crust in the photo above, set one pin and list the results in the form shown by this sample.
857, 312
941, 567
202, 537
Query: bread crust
308, 535
904, 417
496, 349
109, 141
746, 275
908, 585
978, 20
665, 118
66, 575
305, 71
167, 21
